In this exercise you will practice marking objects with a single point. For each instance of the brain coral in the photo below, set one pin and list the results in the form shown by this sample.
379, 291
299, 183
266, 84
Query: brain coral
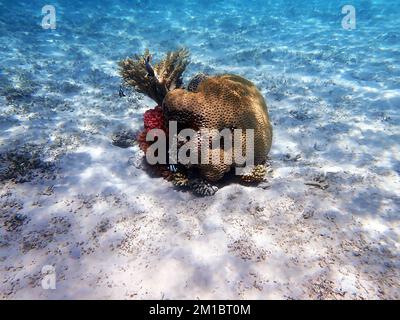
219, 102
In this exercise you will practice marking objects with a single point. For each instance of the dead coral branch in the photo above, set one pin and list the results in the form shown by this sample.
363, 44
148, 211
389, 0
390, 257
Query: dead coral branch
165, 76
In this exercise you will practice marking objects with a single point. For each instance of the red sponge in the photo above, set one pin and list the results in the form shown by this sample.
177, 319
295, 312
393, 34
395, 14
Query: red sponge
153, 119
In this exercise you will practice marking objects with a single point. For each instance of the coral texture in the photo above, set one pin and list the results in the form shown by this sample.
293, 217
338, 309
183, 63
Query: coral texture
225, 101
256, 175
195, 82
202, 188
180, 180
141, 140
154, 119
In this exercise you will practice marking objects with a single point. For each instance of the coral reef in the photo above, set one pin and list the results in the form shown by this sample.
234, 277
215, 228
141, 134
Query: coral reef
209, 102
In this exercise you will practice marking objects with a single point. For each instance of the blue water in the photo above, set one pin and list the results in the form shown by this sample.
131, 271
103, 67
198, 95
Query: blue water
333, 96
265, 36
297, 52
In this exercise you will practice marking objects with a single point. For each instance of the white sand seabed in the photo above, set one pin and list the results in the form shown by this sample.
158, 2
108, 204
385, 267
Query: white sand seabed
290, 240
111, 231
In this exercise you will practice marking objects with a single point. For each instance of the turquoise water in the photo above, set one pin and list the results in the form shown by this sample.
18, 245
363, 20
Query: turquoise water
71, 198
297, 52
250, 37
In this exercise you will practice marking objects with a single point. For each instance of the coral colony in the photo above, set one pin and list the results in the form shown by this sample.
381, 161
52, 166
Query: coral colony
196, 135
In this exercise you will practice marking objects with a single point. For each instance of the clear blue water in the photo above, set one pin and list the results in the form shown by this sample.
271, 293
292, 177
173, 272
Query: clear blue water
296, 52
266, 36
333, 97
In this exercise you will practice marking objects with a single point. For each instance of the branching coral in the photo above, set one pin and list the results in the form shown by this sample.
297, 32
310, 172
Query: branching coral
169, 71
180, 180
155, 81
202, 188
